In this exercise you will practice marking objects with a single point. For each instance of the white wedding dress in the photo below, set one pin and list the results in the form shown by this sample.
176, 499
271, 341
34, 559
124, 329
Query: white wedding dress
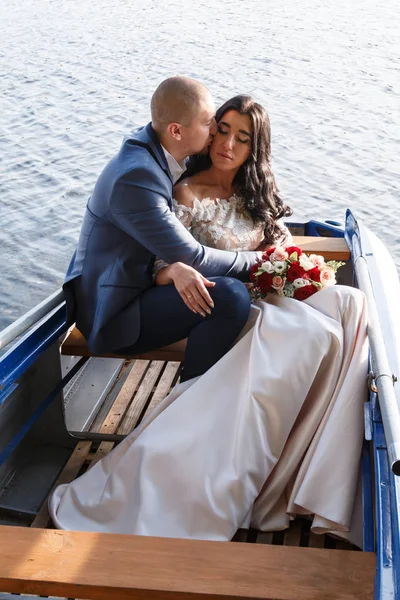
273, 430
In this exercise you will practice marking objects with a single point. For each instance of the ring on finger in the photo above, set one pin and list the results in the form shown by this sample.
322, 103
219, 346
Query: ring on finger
189, 296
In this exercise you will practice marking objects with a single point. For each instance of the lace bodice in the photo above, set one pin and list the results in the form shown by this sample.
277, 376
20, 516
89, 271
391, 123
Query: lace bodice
221, 223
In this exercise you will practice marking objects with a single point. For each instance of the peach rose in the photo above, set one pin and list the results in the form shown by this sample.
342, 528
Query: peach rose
278, 255
278, 283
327, 276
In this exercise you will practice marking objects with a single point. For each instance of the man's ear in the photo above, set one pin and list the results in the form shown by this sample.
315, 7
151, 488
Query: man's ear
175, 130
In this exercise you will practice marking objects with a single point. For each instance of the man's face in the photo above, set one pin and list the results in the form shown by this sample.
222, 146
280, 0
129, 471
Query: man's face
199, 134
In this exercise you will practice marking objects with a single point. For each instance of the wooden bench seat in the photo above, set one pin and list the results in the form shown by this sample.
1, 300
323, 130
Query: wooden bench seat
75, 344
329, 247
104, 566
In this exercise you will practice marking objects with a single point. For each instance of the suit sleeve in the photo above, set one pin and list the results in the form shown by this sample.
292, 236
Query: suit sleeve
145, 216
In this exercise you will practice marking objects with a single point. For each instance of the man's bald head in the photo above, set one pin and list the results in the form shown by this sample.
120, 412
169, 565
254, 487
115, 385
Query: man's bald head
178, 100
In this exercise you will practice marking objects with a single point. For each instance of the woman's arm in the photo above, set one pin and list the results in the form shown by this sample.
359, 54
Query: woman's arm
162, 275
284, 239
184, 201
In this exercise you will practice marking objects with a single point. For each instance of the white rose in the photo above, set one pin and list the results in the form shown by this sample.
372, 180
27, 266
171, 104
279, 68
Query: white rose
279, 266
306, 263
316, 259
267, 267
300, 282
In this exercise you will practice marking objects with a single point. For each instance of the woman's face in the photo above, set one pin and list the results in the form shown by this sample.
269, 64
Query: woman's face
231, 145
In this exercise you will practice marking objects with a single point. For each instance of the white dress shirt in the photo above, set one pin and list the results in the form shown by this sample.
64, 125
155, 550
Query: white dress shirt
175, 168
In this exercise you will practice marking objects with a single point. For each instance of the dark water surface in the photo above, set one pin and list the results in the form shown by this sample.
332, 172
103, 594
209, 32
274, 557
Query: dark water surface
76, 76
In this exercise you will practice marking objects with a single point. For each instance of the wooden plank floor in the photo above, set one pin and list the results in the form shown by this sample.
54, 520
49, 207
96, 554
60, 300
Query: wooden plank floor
145, 384
142, 387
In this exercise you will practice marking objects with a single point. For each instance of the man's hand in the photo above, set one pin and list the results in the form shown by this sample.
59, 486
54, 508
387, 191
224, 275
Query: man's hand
190, 284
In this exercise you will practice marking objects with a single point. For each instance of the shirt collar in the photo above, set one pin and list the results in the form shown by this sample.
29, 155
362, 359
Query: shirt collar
175, 168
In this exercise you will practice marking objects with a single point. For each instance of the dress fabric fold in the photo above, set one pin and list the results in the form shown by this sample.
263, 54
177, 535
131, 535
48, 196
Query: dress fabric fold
273, 430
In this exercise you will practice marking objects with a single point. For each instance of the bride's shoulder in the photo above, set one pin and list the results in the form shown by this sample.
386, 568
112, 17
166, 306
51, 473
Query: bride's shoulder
184, 193
190, 190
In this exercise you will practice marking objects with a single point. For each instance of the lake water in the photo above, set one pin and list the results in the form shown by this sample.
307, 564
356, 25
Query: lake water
76, 76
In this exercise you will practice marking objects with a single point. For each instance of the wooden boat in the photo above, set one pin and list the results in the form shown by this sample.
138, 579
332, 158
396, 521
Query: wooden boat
61, 409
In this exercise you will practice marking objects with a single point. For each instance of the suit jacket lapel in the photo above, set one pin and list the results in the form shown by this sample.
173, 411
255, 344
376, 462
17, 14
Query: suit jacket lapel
155, 146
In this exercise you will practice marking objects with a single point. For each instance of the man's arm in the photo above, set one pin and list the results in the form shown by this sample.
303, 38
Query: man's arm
146, 217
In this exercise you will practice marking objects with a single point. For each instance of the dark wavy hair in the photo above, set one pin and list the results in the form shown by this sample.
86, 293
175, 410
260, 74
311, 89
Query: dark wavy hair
254, 181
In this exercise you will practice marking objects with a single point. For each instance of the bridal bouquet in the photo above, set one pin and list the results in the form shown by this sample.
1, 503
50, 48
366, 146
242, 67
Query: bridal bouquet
289, 272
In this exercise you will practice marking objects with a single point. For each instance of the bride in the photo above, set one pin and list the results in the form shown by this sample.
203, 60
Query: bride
275, 428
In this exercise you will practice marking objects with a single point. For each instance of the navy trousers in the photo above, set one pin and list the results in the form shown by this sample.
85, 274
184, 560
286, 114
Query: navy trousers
165, 319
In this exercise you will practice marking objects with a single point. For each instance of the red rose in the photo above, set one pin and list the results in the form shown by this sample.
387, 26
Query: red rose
264, 282
292, 249
295, 271
253, 272
314, 274
268, 252
304, 292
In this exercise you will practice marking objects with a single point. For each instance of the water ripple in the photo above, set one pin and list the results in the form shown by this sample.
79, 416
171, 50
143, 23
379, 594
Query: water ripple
75, 77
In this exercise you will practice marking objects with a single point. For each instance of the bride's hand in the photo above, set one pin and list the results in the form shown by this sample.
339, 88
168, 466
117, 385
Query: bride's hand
190, 284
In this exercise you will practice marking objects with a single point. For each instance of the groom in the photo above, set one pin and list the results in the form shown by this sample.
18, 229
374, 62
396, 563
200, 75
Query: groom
129, 221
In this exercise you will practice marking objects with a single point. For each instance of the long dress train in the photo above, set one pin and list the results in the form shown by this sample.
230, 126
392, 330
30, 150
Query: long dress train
272, 430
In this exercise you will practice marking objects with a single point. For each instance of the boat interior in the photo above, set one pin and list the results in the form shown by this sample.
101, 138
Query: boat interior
63, 409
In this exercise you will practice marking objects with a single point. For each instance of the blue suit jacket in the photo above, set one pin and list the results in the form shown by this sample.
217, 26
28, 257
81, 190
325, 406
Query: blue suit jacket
129, 221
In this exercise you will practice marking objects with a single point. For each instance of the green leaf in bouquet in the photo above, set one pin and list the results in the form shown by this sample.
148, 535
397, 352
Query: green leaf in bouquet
335, 264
